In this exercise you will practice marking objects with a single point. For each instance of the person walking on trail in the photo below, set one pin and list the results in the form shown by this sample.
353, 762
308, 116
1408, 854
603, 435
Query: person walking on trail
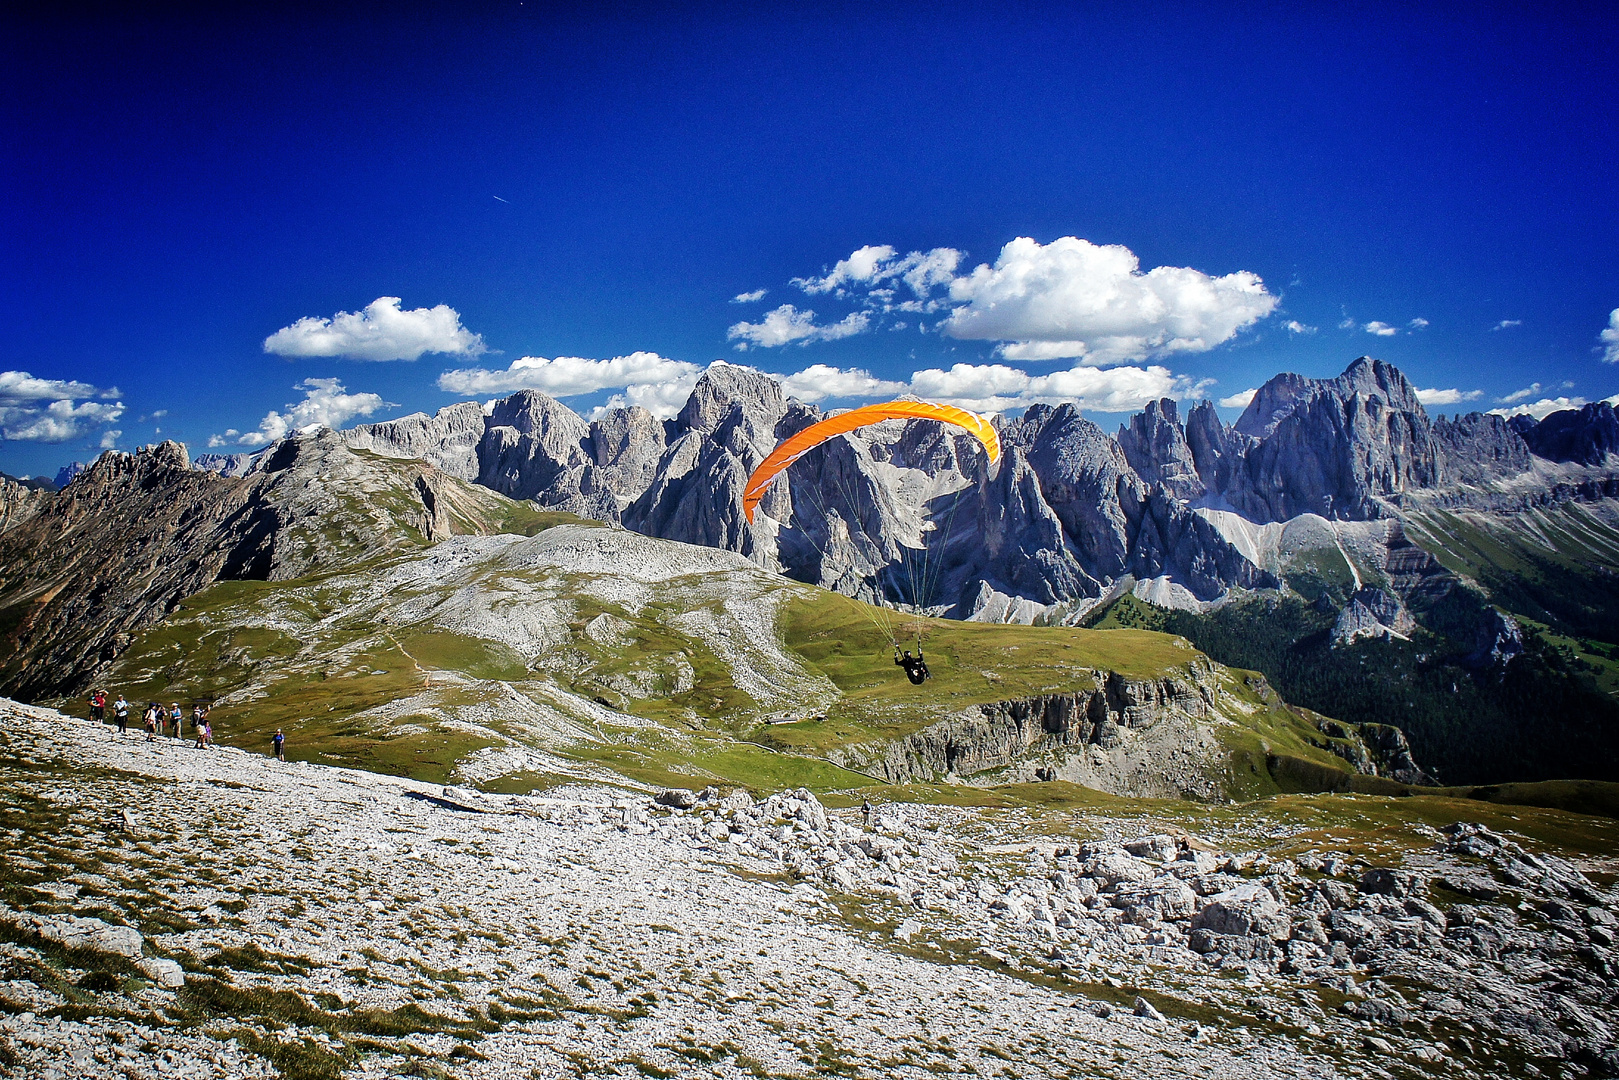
279, 742
120, 711
150, 716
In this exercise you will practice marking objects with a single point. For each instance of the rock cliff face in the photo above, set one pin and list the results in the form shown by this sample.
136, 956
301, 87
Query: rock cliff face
19, 502
1480, 446
1344, 447
1156, 446
1115, 738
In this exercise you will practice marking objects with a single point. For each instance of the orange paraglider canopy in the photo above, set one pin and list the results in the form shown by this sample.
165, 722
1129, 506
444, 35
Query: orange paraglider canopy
794, 448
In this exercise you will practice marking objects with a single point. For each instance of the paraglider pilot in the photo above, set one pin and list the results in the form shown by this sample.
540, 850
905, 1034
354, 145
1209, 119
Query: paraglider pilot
916, 668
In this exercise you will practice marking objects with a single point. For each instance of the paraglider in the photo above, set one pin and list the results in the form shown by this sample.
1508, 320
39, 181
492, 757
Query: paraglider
796, 446
916, 668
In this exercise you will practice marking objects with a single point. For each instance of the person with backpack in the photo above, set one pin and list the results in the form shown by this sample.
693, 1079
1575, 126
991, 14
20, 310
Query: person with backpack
175, 718
150, 716
98, 706
197, 714
279, 743
120, 712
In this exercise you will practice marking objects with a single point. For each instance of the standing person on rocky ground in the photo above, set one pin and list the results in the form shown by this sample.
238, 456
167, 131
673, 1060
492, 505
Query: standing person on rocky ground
200, 731
150, 717
207, 735
120, 712
176, 717
98, 706
197, 714
279, 742
865, 814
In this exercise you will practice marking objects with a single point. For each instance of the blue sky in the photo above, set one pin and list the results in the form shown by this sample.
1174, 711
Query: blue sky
1437, 189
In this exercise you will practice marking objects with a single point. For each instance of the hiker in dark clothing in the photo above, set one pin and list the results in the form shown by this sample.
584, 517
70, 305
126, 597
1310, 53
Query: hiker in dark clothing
865, 814
916, 668
279, 743
98, 706
120, 712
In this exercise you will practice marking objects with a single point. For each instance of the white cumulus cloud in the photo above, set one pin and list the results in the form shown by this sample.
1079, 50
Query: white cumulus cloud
1240, 400
326, 404
1381, 329
1293, 326
1448, 397
1507, 324
1419, 323
381, 332
109, 438
996, 387
567, 376
52, 410
1073, 298
787, 324
819, 382
1542, 408
749, 297
876, 264
1610, 339
653, 382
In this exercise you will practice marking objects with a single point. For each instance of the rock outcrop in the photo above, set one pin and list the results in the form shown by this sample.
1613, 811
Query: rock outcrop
20, 501
448, 440
1117, 738
1480, 446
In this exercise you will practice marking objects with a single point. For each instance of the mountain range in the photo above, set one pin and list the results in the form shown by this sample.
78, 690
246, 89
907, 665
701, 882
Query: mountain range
1454, 577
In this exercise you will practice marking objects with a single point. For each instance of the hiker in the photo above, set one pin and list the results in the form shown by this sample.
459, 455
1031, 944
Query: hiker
175, 717
201, 731
150, 717
98, 706
197, 715
865, 814
207, 735
916, 668
279, 742
120, 710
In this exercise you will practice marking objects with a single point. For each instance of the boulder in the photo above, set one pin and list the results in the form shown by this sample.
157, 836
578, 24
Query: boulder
1247, 910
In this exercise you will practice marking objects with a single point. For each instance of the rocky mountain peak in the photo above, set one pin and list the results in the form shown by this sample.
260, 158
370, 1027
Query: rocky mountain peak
1155, 445
1289, 393
1340, 448
724, 384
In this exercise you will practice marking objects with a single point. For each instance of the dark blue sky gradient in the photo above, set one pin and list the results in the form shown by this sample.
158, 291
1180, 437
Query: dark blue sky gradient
177, 188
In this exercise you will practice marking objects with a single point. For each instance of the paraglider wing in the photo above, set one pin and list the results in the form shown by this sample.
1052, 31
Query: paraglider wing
794, 448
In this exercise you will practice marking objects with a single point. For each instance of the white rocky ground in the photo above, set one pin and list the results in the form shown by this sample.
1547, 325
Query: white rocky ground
174, 912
